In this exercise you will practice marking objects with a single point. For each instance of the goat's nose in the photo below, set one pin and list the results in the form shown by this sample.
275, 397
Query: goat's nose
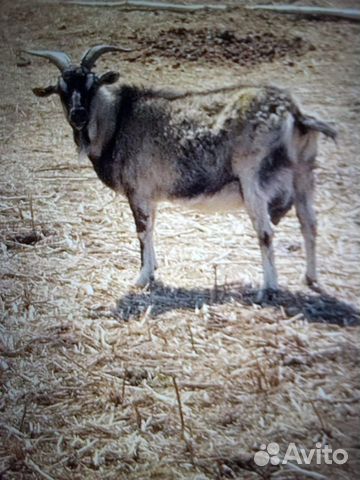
78, 117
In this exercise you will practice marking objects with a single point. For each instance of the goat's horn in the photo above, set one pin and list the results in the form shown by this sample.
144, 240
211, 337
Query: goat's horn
60, 59
90, 56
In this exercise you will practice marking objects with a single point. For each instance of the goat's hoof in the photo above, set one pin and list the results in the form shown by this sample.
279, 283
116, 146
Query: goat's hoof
314, 284
144, 281
310, 281
266, 295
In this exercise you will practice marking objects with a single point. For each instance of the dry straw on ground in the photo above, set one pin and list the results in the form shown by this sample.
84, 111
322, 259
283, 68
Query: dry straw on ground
185, 380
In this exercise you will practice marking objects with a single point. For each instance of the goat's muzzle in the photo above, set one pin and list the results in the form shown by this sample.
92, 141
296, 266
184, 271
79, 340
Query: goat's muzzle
78, 118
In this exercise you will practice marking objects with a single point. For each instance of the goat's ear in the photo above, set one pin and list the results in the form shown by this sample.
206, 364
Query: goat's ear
45, 92
109, 77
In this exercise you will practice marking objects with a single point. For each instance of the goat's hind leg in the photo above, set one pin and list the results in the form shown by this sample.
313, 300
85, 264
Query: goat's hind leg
257, 208
144, 216
304, 205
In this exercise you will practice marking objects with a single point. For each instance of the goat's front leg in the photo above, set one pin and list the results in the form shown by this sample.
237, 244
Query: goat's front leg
144, 216
257, 208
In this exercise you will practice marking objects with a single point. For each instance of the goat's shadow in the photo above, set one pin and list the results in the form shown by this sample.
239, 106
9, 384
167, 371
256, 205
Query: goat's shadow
322, 307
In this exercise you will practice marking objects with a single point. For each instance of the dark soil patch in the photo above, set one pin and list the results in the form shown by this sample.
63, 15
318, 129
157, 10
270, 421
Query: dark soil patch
224, 45
29, 238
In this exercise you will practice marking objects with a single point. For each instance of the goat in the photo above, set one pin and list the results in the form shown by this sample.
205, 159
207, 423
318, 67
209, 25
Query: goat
249, 145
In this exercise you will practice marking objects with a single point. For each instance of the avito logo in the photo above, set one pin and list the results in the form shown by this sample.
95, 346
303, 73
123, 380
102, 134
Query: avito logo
321, 454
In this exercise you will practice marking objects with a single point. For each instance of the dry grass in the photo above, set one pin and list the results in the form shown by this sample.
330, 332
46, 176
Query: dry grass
186, 379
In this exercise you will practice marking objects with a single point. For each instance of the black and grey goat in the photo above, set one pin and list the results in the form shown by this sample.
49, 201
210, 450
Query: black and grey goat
248, 146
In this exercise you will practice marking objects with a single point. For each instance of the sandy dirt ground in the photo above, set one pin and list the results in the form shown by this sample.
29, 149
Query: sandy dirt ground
188, 379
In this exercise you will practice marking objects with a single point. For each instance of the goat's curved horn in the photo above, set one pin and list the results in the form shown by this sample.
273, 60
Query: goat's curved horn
60, 59
90, 56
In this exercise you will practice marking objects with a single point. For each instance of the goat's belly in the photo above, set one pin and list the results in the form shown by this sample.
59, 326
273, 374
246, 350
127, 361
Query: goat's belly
227, 199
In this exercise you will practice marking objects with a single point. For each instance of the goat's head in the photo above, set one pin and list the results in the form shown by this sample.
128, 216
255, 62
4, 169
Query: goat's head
77, 84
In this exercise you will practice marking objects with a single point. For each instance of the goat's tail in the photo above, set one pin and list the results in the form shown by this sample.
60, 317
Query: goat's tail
307, 122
